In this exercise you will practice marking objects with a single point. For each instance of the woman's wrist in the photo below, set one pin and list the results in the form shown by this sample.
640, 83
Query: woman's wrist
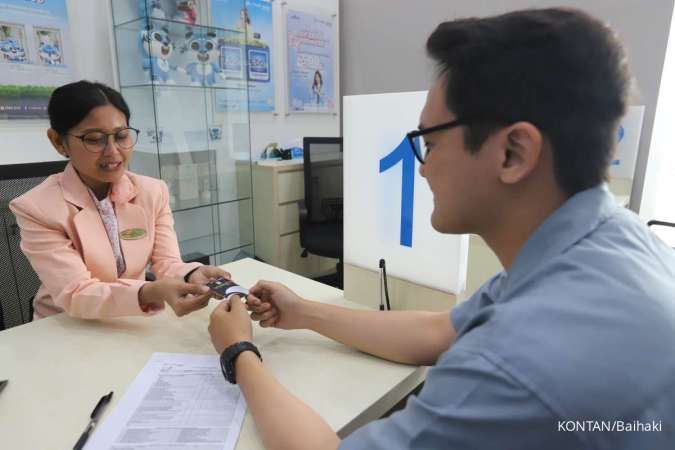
187, 276
143, 302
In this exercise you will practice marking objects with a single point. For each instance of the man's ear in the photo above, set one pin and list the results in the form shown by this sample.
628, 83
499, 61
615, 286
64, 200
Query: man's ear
521, 152
58, 143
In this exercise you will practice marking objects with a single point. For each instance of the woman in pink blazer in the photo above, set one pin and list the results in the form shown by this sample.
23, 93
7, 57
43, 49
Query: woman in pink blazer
91, 231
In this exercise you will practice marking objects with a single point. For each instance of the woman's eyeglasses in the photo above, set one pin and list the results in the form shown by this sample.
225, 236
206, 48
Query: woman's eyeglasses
96, 141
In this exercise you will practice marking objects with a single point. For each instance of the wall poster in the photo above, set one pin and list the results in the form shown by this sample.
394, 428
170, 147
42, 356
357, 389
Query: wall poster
34, 55
311, 62
253, 18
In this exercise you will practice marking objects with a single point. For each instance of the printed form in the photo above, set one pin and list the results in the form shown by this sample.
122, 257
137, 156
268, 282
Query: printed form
179, 402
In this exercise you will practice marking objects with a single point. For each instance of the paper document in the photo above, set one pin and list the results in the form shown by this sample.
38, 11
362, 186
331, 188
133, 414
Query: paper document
178, 402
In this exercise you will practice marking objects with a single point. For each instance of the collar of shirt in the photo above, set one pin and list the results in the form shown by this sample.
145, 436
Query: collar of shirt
576, 218
76, 192
97, 202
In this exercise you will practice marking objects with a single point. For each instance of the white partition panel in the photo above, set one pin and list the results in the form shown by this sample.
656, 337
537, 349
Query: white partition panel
387, 204
628, 143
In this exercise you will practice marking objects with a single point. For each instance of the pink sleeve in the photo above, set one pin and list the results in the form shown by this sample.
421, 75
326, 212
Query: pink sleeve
65, 276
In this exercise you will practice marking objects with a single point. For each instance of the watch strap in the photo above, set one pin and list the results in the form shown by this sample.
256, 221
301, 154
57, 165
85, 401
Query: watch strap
229, 357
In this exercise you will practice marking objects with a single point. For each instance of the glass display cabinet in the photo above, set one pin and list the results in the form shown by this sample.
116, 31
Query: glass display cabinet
183, 79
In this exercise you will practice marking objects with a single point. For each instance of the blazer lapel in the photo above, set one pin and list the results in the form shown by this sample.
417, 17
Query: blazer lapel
134, 227
132, 222
96, 249
74, 190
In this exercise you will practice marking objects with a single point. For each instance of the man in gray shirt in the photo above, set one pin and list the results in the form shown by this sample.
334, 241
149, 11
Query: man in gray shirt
571, 346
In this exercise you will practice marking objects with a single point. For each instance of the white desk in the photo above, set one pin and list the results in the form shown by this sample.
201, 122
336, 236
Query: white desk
59, 367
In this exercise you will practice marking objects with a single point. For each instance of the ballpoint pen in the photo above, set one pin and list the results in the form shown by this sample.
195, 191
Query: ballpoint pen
3, 383
93, 419
383, 282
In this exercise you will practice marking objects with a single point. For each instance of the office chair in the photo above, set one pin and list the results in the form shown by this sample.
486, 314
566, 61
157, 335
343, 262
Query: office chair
18, 282
321, 211
661, 223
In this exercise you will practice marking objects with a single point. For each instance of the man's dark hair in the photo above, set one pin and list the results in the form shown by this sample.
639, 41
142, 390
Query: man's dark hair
559, 69
70, 103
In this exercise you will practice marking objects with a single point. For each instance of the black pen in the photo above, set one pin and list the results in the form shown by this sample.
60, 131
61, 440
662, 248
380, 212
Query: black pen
3, 383
93, 419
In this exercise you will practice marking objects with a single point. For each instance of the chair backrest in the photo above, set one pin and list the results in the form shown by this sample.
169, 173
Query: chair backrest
664, 230
323, 178
18, 281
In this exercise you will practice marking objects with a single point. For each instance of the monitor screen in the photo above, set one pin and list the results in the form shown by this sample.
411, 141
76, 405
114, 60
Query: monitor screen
324, 178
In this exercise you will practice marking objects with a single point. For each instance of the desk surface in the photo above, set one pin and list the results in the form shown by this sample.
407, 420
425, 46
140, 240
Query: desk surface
59, 367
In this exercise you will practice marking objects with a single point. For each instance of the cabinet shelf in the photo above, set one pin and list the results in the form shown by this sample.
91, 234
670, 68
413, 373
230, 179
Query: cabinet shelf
166, 52
181, 86
225, 256
204, 246
207, 205
192, 112
131, 23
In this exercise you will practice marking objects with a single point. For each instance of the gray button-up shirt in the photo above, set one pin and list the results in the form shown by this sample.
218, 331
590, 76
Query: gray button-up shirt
572, 348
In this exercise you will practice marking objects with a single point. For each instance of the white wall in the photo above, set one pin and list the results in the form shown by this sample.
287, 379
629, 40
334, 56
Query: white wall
383, 46
25, 140
657, 195
280, 127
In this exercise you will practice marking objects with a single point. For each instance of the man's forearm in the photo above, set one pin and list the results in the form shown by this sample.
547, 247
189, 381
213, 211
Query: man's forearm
283, 421
411, 337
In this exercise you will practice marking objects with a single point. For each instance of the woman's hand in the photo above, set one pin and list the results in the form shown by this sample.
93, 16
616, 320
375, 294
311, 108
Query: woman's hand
204, 274
183, 298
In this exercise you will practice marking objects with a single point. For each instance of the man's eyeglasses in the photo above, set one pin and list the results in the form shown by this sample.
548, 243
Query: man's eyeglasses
96, 141
419, 149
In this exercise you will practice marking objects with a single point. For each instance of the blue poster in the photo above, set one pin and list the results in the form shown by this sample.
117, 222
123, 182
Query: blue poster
311, 59
35, 55
252, 62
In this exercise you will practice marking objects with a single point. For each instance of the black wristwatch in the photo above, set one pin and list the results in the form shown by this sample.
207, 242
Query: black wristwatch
229, 357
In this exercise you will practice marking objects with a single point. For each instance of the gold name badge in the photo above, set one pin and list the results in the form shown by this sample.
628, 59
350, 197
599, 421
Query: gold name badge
133, 233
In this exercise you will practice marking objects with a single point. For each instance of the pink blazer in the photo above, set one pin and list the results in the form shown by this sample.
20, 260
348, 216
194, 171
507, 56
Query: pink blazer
63, 237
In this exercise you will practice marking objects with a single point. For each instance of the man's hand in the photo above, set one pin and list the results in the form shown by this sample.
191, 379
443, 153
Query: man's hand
204, 274
229, 324
275, 305
183, 298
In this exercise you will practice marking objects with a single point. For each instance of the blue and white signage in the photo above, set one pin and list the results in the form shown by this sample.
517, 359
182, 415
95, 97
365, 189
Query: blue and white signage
253, 20
387, 204
628, 143
35, 55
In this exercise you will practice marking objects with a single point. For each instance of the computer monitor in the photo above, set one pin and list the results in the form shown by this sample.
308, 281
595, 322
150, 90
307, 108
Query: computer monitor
323, 178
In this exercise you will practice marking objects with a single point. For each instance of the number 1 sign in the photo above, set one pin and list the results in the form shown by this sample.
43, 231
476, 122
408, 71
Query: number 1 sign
387, 204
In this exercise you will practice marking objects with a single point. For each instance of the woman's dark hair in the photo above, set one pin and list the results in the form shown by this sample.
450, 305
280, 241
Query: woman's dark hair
559, 69
314, 83
70, 103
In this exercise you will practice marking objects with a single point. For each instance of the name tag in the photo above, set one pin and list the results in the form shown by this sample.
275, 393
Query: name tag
133, 233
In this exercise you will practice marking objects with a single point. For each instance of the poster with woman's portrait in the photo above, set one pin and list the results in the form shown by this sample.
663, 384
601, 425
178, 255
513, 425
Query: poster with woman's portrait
311, 62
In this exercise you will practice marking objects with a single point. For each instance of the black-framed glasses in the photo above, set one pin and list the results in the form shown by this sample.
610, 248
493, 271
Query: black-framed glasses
96, 141
420, 150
